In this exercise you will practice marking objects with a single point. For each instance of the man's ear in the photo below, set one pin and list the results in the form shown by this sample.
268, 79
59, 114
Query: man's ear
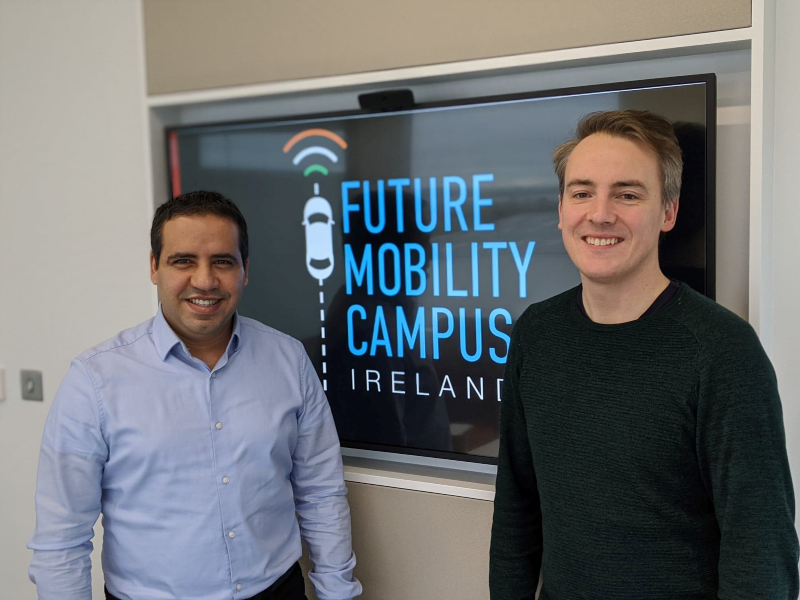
153, 268
670, 214
560, 197
246, 271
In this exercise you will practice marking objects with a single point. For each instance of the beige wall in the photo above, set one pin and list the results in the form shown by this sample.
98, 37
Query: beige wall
412, 545
200, 44
418, 546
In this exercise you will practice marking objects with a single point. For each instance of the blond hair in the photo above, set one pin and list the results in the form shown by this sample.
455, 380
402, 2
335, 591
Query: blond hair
653, 130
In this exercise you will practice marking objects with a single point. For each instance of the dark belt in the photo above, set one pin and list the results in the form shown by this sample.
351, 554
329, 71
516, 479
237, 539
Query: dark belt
262, 595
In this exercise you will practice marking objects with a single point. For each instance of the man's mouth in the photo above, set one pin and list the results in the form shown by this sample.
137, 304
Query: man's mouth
200, 302
597, 241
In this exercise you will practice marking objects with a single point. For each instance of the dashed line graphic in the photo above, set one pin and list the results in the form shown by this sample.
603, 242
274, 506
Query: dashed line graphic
324, 347
322, 331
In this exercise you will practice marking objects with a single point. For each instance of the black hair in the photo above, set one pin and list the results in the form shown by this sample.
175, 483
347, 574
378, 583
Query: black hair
197, 203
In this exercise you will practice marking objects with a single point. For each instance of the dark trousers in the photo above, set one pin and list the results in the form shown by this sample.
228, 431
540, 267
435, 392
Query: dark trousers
289, 586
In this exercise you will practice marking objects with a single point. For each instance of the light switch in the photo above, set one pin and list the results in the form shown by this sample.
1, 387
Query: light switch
2, 383
31, 382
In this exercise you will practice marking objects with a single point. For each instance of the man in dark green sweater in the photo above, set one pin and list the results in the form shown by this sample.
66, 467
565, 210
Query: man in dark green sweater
642, 448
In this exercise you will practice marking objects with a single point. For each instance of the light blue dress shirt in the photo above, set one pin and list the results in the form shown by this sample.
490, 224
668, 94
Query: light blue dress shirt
198, 473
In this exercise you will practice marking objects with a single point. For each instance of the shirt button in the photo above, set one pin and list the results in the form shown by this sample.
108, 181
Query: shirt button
238, 587
213, 375
218, 426
231, 534
226, 480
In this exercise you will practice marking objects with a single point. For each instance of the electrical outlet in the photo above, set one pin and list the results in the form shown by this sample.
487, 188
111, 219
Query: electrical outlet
31, 382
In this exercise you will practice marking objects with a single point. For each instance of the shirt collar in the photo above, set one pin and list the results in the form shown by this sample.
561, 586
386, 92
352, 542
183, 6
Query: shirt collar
165, 339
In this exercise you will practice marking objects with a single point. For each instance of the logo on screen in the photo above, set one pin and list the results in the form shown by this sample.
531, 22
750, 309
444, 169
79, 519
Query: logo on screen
317, 213
315, 152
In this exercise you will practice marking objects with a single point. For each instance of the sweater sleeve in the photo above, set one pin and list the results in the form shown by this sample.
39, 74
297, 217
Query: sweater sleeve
516, 544
742, 454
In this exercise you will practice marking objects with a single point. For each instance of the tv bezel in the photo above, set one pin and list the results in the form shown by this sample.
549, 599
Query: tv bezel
708, 79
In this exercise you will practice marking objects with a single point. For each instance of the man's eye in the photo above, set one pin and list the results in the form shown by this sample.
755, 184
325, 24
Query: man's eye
630, 197
222, 261
182, 261
581, 195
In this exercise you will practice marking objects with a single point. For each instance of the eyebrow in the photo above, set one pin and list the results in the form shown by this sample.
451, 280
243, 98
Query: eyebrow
617, 184
630, 183
179, 255
575, 182
226, 255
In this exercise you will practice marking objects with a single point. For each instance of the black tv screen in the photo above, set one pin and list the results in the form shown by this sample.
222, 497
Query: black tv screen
401, 247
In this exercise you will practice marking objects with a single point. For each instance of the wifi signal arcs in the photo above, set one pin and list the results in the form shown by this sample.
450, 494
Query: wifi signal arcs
314, 150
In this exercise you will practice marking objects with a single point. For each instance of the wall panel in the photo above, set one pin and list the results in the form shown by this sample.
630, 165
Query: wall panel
201, 44
418, 546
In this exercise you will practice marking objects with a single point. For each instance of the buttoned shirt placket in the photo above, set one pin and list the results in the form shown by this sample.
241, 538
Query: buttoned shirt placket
222, 457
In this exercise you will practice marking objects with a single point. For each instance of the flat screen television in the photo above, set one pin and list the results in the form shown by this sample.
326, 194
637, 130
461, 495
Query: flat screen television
401, 247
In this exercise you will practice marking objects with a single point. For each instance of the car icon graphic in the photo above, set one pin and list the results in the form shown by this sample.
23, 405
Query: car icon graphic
318, 222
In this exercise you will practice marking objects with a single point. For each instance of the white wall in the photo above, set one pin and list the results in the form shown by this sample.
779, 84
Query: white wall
74, 218
785, 352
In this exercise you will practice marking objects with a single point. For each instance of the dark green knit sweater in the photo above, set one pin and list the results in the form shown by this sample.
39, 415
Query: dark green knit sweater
641, 461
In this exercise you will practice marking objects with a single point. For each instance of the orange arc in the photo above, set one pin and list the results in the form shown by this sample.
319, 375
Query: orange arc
311, 132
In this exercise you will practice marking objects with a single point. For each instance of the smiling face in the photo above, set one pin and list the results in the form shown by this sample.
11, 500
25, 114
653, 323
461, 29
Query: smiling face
611, 212
200, 277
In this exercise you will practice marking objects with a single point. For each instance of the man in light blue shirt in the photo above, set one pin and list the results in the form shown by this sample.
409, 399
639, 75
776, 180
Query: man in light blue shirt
203, 437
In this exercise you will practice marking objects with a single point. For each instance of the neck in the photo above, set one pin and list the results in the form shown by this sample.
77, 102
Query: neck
208, 350
208, 353
611, 303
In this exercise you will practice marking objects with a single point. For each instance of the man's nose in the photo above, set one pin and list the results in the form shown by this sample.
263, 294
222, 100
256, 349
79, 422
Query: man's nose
204, 278
601, 211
